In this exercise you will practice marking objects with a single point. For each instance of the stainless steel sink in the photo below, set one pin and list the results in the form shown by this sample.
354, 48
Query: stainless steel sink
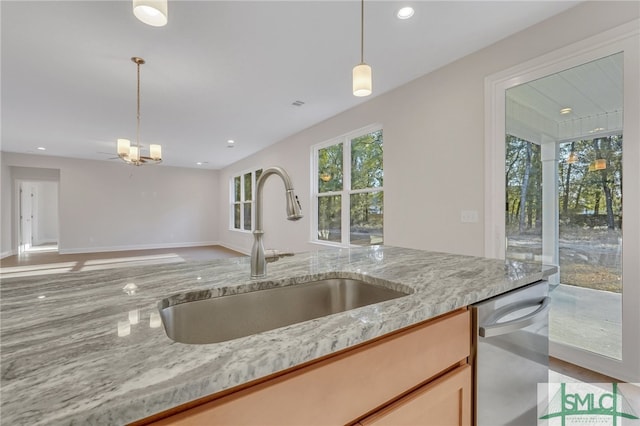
224, 318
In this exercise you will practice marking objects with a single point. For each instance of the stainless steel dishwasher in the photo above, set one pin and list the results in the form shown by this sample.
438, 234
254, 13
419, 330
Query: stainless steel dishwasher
510, 355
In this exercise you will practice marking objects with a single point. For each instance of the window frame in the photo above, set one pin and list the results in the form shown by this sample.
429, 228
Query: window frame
346, 192
233, 203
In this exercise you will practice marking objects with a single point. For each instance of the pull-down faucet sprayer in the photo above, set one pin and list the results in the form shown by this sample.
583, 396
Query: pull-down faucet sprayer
258, 262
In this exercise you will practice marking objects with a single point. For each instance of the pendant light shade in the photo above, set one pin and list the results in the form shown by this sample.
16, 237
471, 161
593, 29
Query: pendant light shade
362, 72
600, 164
151, 12
124, 146
155, 152
362, 80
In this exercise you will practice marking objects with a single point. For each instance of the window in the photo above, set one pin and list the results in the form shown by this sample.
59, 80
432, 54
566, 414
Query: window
348, 189
242, 198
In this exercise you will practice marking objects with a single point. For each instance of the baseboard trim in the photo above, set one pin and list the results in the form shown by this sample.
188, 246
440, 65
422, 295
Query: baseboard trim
235, 248
137, 247
8, 253
44, 241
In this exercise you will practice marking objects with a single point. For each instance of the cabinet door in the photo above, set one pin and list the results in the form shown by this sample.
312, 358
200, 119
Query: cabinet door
443, 402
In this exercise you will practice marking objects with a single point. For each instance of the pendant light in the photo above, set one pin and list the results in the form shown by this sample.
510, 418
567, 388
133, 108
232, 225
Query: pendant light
132, 154
362, 71
151, 12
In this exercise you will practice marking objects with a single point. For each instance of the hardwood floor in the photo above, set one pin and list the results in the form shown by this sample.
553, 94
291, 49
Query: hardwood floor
40, 262
562, 371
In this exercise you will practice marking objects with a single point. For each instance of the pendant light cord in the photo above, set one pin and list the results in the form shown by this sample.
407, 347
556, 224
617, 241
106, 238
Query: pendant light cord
362, 32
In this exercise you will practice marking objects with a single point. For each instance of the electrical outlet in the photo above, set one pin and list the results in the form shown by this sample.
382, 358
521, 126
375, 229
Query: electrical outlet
469, 216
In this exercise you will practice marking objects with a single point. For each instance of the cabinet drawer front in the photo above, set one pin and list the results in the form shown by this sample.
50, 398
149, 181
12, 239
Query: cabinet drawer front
444, 402
344, 387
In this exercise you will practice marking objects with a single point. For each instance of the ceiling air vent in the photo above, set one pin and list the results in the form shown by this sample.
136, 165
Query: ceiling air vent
297, 103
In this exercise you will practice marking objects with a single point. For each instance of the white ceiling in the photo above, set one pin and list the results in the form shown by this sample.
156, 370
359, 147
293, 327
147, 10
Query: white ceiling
219, 70
593, 91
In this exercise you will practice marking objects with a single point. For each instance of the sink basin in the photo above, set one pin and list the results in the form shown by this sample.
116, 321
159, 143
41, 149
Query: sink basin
224, 318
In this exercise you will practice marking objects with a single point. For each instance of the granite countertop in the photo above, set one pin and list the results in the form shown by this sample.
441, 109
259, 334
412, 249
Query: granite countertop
89, 352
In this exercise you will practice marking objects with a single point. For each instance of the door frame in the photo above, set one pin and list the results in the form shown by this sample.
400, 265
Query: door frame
17, 216
624, 38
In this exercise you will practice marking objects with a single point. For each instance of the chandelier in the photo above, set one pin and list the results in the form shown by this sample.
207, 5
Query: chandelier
132, 154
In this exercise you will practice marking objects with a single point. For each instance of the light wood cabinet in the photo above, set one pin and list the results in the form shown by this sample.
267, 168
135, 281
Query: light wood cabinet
395, 374
445, 401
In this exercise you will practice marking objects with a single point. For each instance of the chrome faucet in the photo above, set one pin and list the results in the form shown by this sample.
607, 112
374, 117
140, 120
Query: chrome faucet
258, 262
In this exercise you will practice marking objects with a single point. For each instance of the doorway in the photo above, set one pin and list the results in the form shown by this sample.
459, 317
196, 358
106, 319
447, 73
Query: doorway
35, 209
558, 171
37, 216
564, 154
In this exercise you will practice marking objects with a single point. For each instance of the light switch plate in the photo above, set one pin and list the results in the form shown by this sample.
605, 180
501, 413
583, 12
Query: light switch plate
469, 216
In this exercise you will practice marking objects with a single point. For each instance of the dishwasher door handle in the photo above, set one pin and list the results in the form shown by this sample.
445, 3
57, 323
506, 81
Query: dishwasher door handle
497, 329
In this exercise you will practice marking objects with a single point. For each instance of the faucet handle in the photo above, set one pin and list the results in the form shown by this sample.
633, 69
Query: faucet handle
272, 255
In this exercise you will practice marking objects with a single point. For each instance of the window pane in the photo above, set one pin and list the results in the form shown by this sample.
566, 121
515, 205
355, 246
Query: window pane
330, 168
247, 216
523, 214
247, 187
329, 219
366, 161
366, 218
236, 189
236, 216
258, 174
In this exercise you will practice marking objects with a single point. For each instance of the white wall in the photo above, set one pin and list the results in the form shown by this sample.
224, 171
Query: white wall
6, 240
107, 205
433, 144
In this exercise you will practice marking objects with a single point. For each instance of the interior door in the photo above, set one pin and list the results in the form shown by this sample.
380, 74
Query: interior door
26, 217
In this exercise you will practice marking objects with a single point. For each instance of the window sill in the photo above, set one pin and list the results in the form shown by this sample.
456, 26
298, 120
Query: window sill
243, 231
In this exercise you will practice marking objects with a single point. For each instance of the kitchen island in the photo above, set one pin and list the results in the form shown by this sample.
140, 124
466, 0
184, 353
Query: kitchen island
93, 350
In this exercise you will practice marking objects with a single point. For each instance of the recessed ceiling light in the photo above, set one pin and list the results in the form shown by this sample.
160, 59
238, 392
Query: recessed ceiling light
230, 143
200, 163
41, 148
405, 12
566, 111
